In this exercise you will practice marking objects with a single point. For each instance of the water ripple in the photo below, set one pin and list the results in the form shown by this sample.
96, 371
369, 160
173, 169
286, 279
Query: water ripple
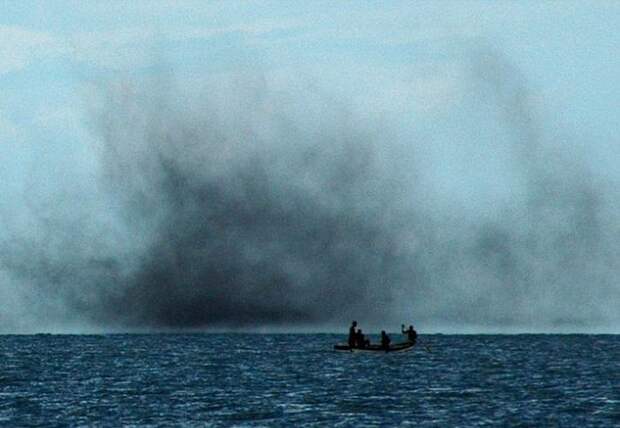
283, 380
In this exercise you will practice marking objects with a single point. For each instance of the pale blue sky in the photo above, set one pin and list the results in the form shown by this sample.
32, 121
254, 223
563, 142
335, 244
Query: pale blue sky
568, 51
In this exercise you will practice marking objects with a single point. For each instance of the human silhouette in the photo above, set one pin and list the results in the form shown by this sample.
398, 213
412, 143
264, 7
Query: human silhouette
385, 340
412, 335
360, 340
352, 334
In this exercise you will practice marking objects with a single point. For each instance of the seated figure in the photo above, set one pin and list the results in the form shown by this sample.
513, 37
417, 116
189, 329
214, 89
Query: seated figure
385, 340
360, 339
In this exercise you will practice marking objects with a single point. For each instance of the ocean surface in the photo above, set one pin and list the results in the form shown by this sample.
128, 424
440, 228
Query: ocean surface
297, 380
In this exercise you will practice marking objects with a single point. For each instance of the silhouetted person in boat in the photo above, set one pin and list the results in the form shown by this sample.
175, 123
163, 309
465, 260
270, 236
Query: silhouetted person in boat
412, 335
385, 340
360, 340
352, 334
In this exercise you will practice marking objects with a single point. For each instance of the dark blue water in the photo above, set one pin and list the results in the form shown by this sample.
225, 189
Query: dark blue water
288, 380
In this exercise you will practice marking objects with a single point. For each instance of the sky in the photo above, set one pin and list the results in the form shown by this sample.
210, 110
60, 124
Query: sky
489, 125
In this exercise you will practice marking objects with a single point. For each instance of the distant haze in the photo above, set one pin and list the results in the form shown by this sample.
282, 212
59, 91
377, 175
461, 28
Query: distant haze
244, 202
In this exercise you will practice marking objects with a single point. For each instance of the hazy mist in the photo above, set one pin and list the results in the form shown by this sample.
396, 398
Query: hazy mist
239, 202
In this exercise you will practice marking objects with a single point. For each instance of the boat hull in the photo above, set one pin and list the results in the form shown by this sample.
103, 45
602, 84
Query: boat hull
397, 347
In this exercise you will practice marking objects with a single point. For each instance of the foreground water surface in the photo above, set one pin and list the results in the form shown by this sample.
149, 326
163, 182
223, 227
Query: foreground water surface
284, 380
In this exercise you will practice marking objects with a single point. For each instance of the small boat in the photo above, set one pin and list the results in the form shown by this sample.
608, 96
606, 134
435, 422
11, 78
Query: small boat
397, 347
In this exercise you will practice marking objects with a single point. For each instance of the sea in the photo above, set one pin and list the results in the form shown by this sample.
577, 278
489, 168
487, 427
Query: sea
277, 380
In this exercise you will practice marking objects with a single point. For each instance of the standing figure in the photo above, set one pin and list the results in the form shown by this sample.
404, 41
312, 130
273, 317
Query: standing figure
352, 334
412, 335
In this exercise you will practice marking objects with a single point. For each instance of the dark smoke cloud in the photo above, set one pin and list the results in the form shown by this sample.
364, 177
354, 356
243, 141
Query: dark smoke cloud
243, 203
550, 257
273, 214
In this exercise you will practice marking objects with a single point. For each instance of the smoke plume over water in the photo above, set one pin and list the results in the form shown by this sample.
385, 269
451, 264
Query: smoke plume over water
242, 204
